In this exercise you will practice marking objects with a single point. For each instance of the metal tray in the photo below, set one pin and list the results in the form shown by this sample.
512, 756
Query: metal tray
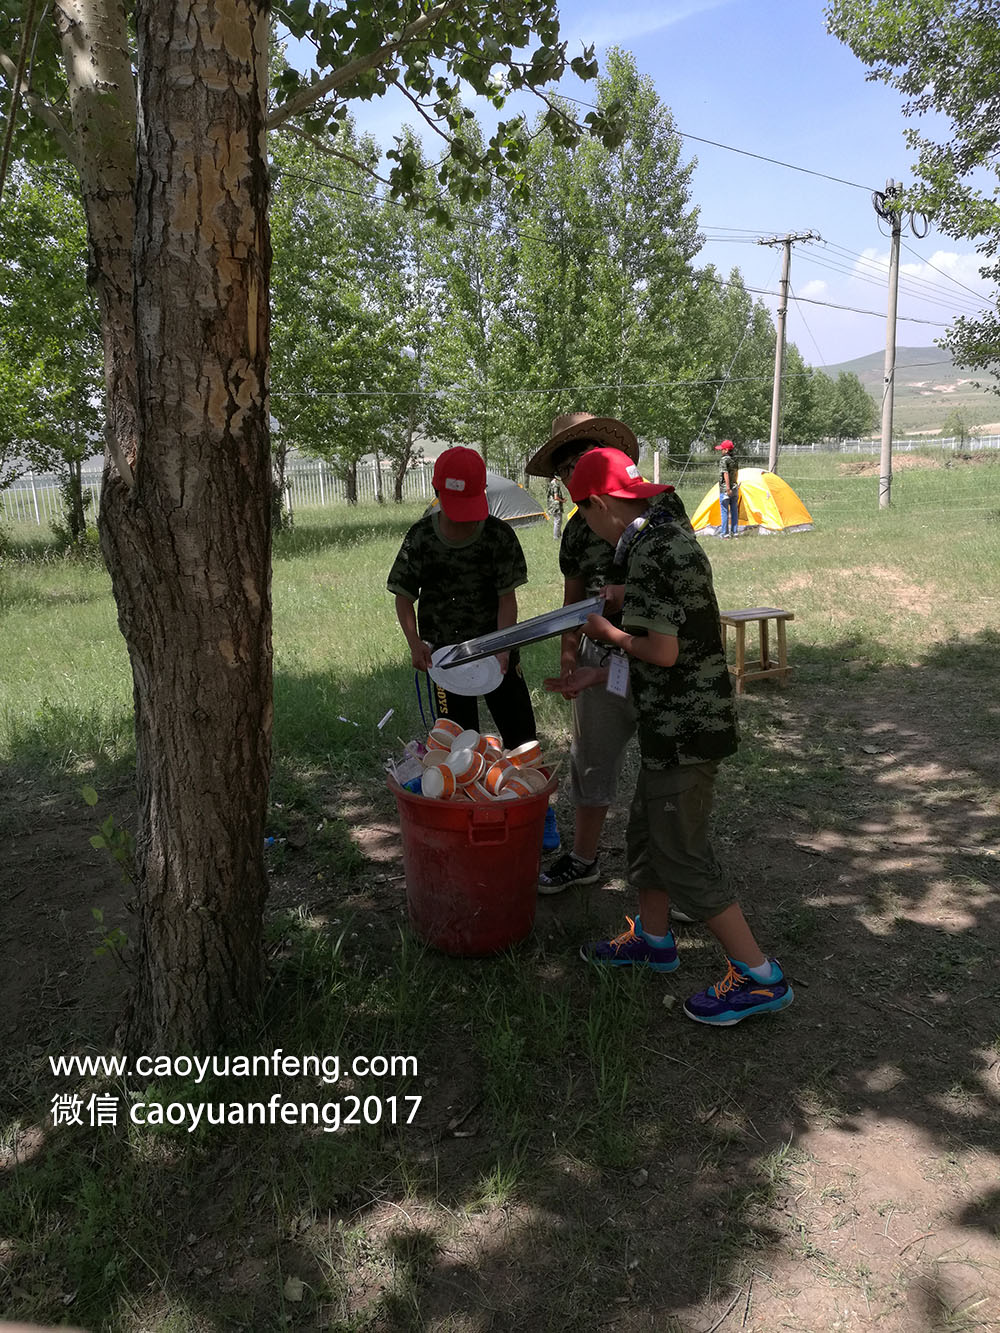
525, 631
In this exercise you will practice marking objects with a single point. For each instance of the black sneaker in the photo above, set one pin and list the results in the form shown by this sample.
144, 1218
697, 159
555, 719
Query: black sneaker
566, 871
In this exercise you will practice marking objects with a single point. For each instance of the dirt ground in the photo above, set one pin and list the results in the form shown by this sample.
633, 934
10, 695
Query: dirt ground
854, 1177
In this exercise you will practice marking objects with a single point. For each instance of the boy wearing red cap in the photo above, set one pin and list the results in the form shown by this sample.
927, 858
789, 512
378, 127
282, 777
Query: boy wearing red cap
455, 577
729, 489
672, 646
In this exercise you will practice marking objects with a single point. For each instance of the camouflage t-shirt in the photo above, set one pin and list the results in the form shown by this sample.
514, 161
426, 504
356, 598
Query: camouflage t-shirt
584, 555
457, 585
686, 713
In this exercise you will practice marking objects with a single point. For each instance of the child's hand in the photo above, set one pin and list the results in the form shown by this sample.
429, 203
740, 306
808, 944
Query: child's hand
420, 655
504, 660
600, 630
614, 596
583, 678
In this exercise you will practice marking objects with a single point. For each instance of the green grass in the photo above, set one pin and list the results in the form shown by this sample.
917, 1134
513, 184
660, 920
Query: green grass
581, 1153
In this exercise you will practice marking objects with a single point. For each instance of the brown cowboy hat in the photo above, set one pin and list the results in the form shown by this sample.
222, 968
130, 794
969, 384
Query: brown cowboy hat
570, 426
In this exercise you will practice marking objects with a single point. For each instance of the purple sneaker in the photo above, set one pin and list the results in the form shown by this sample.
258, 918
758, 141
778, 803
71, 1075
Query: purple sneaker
739, 995
631, 948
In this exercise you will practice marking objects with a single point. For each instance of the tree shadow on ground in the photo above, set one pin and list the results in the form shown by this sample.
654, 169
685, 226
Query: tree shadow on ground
582, 1155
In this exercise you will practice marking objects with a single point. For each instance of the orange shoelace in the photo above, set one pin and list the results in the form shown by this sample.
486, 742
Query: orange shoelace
729, 981
619, 941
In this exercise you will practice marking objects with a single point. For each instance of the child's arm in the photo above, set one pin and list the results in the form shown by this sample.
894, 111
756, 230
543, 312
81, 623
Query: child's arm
506, 616
406, 614
656, 649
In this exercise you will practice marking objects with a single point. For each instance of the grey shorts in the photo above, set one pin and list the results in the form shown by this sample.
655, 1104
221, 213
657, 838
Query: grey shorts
667, 844
603, 725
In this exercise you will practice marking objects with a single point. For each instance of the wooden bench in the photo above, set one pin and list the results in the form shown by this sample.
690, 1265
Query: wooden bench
739, 620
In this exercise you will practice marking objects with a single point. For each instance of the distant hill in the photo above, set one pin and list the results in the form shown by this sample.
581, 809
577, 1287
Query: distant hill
928, 387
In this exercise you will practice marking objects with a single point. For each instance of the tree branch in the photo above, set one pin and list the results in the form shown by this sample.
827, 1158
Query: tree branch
41, 110
396, 83
322, 146
355, 68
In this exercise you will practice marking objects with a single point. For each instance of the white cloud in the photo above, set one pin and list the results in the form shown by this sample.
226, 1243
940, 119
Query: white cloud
611, 26
941, 266
815, 288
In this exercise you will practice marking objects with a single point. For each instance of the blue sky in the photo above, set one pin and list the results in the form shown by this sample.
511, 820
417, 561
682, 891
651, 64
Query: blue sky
764, 76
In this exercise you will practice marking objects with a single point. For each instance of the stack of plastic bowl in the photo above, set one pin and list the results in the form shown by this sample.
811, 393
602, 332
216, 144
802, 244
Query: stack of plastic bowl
474, 766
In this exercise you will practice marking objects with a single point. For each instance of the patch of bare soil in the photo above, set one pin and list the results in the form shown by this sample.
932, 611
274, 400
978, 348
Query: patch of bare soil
869, 467
834, 1168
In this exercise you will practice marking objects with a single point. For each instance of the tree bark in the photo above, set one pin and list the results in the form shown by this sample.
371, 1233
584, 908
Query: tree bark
185, 522
351, 483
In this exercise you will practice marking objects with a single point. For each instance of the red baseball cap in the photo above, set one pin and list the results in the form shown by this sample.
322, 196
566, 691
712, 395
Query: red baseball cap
610, 472
460, 481
726, 444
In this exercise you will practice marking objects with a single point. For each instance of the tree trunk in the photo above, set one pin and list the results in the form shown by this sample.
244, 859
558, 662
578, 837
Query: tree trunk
185, 521
403, 463
93, 37
351, 483
76, 519
279, 519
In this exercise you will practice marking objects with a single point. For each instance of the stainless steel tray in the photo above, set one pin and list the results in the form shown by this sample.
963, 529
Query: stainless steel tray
540, 627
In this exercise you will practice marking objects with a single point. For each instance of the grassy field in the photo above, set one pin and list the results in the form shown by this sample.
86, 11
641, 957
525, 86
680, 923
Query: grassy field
582, 1156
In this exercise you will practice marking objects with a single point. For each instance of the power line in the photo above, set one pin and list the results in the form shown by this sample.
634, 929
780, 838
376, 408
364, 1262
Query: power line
944, 274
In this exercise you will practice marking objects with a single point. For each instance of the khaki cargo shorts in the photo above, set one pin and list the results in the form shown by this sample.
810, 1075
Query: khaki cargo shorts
667, 844
603, 725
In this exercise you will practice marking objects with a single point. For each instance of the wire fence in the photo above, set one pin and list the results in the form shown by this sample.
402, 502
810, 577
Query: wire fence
313, 484
309, 484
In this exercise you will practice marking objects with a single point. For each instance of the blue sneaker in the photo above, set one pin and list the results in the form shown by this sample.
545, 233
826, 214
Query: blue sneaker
551, 841
631, 948
739, 995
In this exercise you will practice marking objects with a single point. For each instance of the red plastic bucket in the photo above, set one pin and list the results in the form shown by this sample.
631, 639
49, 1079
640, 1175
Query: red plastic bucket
471, 869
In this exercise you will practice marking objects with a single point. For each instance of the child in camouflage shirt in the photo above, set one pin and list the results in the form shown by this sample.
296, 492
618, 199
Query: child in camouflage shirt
455, 578
686, 722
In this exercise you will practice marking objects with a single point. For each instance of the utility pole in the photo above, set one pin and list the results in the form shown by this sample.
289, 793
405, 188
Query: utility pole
883, 207
779, 347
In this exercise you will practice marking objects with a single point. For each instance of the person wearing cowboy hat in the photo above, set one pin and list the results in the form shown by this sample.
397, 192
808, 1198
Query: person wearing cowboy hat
602, 723
729, 488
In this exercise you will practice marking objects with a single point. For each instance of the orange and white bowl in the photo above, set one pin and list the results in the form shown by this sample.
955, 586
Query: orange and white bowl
533, 778
491, 754
467, 765
496, 775
445, 730
435, 758
478, 793
526, 755
469, 740
438, 783
493, 742
515, 787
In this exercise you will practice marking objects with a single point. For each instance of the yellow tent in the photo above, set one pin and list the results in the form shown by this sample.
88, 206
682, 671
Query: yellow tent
766, 503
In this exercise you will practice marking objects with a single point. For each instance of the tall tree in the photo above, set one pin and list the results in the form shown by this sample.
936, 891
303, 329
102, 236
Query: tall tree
942, 56
331, 344
173, 176
50, 347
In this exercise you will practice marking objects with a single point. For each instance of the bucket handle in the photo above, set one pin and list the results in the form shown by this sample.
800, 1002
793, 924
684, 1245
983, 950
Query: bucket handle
487, 827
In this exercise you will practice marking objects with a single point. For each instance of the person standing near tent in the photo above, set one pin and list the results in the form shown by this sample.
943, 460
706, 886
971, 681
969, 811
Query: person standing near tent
729, 488
603, 723
455, 577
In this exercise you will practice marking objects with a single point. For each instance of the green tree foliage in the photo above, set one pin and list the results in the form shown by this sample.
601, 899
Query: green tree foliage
956, 427
50, 347
332, 348
942, 55
734, 340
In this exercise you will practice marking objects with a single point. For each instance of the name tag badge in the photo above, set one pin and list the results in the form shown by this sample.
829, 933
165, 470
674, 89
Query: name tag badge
618, 675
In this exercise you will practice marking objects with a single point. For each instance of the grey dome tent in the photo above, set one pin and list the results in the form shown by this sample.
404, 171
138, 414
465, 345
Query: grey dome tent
509, 501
